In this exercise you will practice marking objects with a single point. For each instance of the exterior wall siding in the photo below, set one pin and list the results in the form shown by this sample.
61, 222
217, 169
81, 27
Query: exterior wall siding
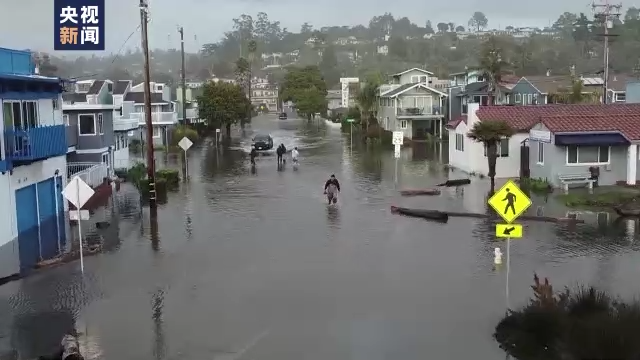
524, 88
406, 78
555, 163
91, 142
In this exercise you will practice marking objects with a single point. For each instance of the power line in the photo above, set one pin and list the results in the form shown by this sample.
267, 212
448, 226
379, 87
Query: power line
606, 13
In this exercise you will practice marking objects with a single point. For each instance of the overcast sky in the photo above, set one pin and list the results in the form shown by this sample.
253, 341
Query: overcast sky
29, 23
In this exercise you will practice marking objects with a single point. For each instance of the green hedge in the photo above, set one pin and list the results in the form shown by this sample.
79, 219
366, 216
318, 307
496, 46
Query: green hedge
170, 177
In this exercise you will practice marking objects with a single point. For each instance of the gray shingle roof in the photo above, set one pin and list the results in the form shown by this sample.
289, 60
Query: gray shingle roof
121, 87
74, 98
138, 97
95, 87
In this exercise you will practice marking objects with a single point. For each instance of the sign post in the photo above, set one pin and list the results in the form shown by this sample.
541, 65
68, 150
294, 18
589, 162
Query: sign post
185, 144
509, 202
398, 140
78, 193
350, 121
217, 134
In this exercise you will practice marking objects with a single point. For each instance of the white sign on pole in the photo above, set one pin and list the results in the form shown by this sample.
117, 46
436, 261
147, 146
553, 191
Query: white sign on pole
79, 215
78, 193
218, 131
185, 143
396, 151
398, 138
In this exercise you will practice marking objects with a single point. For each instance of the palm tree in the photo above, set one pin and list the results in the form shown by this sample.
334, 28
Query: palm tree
242, 72
492, 66
367, 100
490, 133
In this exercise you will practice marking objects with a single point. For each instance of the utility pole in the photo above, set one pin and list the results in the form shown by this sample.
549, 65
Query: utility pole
151, 166
184, 80
605, 14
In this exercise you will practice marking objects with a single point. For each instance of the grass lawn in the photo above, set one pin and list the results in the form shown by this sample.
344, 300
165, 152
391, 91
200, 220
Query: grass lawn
602, 197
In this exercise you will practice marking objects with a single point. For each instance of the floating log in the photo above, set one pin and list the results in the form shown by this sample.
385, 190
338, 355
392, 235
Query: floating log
424, 214
455, 182
418, 212
626, 212
418, 192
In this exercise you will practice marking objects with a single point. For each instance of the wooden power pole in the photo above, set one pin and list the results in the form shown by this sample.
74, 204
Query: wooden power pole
151, 166
606, 13
183, 75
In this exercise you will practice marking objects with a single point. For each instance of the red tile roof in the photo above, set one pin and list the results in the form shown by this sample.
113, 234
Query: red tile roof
628, 125
522, 118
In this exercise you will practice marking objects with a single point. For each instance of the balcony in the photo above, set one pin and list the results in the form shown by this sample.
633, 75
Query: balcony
35, 143
191, 114
417, 112
157, 118
125, 124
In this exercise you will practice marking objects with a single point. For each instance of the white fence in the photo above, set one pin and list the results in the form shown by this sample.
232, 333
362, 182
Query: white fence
91, 173
160, 118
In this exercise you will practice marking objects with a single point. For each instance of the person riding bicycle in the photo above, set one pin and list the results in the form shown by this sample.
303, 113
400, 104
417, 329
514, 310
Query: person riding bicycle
331, 189
294, 155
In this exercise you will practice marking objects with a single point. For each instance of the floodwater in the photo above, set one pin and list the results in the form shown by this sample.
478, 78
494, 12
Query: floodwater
256, 266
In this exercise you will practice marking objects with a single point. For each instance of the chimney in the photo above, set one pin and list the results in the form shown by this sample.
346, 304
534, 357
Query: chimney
548, 72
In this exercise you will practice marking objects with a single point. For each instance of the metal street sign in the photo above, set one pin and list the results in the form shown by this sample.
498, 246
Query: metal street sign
351, 120
185, 143
79, 215
510, 202
398, 138
218, 131
396, 151
510, 231
77, 192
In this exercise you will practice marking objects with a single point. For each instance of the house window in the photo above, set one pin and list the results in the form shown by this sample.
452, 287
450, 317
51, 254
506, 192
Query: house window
105, 158
415, 79
56, 104
29, 114
621, 97
540, 153
529, 99
403, 124
518, 98
156, 131
588, 155
535, 99
460, 142
423, 79
502, 150
87, 124
100, 124
65, 117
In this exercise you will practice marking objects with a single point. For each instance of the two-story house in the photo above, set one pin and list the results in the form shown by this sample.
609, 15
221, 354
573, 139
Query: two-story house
470, 87
97, 131
549, 89
33, 165
264, 95
163, 115
192, 91
410, 104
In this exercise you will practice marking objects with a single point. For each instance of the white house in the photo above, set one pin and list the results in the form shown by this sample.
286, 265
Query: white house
33, 165
471, 157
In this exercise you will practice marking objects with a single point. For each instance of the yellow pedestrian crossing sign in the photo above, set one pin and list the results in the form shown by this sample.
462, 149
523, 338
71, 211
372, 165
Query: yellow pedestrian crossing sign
510, 202
511, 231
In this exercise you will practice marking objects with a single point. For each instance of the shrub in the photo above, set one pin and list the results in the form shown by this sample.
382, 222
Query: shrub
376, 132
184, 131
536, 185
170, 177
136, 146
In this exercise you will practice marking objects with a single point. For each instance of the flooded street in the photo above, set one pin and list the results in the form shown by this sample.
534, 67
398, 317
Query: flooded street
257, 266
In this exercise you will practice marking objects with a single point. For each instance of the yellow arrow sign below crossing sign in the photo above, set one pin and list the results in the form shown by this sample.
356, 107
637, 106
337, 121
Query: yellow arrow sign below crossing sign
512, 231
510, 202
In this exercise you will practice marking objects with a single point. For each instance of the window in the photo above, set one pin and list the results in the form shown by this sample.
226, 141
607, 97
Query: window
423, 79
460, 142
100, 124
502, 150
540, 153
65, 117
56, 104
87, 124
156, 131
529, 99
109, 87
403, 124
105, 158
29, 114
518, 98
622, 97
588, 155
415, 79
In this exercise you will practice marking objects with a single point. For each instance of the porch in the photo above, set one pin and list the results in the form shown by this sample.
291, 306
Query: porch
94, 174
32, 144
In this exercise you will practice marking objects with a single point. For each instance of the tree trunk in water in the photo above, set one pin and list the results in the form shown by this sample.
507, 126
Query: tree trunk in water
492, 149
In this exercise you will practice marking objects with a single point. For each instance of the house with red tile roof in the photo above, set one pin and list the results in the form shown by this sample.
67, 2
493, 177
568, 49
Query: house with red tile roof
563, 141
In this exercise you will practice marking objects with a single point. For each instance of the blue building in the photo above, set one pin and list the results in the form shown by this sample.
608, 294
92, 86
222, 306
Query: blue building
33, 164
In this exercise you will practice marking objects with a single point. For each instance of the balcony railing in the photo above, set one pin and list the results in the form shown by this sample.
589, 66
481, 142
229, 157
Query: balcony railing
161, 118
91, 173
419, 111
191, 114
125, 124
35, 143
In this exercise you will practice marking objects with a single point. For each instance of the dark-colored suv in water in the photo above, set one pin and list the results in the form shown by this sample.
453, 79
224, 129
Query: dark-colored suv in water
282, 116
263, 142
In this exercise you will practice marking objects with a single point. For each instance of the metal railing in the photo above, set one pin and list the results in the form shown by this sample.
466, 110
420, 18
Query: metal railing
418, 111
91, 173
157, 117
125, 124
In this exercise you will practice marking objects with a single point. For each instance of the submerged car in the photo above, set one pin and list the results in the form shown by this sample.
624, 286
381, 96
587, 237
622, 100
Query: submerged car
263, 142
282, 116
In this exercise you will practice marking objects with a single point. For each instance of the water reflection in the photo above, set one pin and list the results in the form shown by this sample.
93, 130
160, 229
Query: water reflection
157, 306
39, 333
333, 216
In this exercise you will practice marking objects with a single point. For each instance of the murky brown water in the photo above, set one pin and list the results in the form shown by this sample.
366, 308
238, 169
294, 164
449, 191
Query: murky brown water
256, 266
